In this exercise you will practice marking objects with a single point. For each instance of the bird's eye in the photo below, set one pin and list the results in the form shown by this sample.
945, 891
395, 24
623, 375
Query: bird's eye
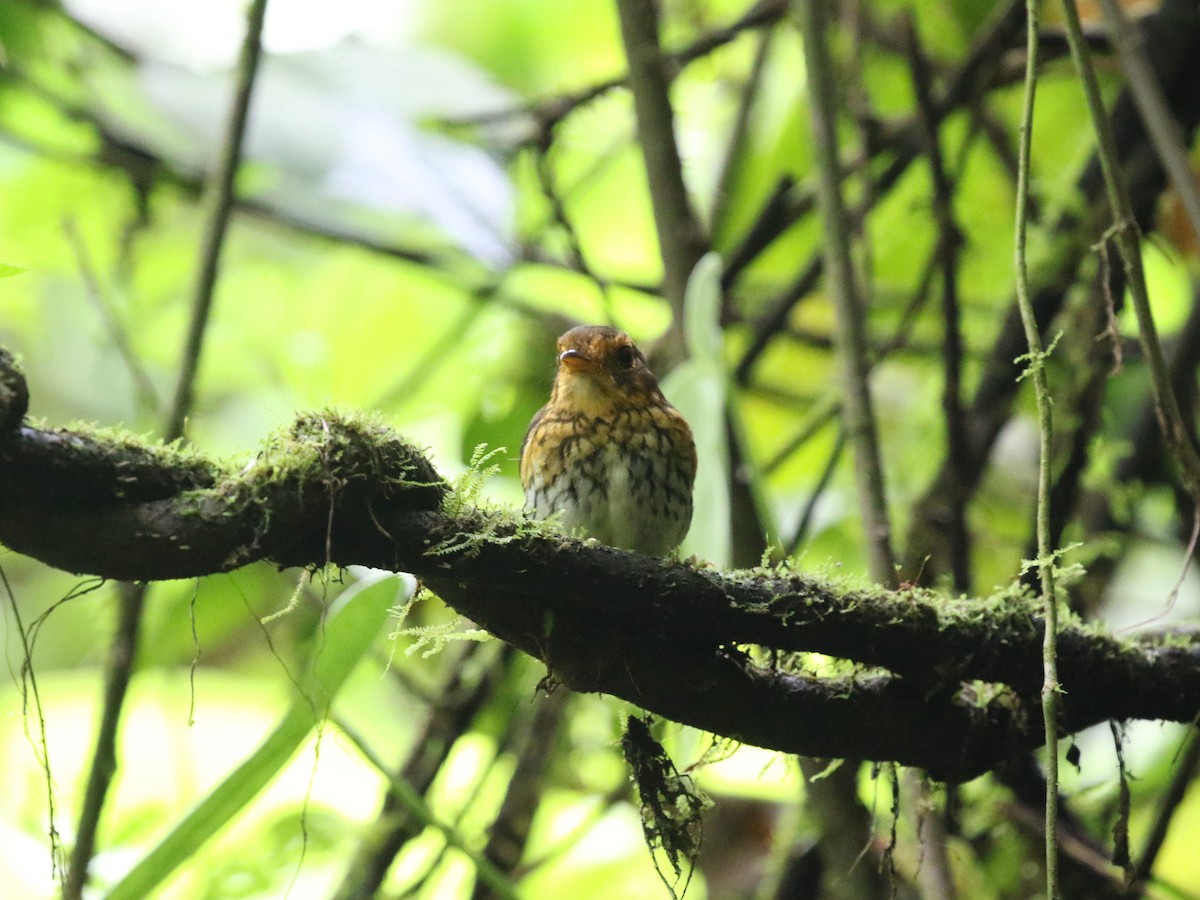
624, 356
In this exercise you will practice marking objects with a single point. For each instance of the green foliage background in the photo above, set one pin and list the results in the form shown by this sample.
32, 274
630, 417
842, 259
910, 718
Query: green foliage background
455, 351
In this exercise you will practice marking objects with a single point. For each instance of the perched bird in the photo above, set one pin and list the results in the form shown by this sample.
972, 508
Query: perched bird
608, 451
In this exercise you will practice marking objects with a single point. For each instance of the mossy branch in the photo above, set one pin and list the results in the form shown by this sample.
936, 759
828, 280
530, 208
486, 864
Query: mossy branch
952, 686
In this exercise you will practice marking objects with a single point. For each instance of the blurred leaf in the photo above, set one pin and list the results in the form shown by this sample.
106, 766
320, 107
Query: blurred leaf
697, 387
373, 167
20, 30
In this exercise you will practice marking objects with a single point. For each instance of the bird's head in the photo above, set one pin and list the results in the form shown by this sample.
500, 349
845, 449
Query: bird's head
599, 367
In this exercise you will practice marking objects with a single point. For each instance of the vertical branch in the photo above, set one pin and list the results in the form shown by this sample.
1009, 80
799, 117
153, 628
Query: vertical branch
1161, 125
1127, 236
1174, 30
845, 825
680, 237
851, 330
509, 832
949, 238
117, 674
1037, 369
131, 597
935, 875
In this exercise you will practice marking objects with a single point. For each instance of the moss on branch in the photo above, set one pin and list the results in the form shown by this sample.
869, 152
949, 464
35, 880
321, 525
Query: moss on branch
949, 685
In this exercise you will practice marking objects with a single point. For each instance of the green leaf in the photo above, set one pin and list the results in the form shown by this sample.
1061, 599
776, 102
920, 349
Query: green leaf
7, 270
697, 387
357, 618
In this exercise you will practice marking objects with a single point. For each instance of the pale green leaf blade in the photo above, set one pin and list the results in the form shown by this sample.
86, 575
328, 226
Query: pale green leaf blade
356, 620
697, 387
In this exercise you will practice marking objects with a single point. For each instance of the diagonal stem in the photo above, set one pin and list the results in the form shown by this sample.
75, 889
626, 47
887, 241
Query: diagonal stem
1127, 236
221, 200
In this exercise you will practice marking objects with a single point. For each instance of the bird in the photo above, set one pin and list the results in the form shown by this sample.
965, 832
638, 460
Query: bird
608, 451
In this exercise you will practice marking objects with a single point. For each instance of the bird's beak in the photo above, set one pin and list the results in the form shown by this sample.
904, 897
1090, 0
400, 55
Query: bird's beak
574, 361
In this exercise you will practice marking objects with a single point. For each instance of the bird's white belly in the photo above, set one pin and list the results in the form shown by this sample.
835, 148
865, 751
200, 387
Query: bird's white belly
605, 504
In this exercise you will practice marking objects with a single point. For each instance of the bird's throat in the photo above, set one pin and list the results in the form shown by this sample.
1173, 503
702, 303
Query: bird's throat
585, 393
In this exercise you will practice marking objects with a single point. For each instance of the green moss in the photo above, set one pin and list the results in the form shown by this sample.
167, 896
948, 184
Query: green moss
177, 457
336, 452
490, 524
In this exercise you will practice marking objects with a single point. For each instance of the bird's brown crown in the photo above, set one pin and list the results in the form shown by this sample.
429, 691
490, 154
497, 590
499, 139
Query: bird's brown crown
599, 367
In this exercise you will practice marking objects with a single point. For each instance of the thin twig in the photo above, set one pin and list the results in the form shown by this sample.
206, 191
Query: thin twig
221, 206
117, 332
576, 257
1077, 845
935, 876
821, 411
549, 111
439, 351
828, 405
734, 152
1127, 238
1181, 780
946, 254
1144, 463
1173, 595
1080, 403
770, 323
997, 136
856, 101
806, 517
415, 805
846, 827
1037, 368
31, 702
1175, 28
471, 676
977, 74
